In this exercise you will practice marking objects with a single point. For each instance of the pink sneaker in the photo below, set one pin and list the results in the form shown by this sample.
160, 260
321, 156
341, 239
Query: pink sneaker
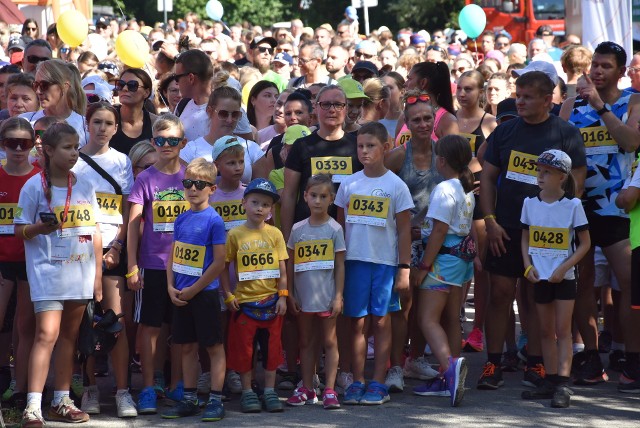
302, 396
474, 341
330, 399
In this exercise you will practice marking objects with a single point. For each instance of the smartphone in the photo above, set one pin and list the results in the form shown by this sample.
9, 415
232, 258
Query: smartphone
49, 218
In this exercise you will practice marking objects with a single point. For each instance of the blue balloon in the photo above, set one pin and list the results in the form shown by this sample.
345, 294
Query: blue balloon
214, 10
472, 20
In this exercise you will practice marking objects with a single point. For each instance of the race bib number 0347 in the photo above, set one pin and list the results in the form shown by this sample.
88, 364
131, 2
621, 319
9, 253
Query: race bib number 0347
313, 255
548, 241
522, 167
257, 265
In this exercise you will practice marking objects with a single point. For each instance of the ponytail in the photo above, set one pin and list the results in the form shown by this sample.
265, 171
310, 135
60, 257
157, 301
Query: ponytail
466, 179
456, 151
569, 186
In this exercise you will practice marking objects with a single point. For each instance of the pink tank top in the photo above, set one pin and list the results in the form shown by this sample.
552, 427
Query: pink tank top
405, 135
441, 112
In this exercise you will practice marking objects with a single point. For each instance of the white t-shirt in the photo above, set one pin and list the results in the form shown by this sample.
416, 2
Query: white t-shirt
200, 148
552, 232
196, 122
76, 120
449, 204
633, 179
371, 236
118, 166
59, 268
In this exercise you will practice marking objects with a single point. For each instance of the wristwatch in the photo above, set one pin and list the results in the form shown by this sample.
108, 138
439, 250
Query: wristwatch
605, 108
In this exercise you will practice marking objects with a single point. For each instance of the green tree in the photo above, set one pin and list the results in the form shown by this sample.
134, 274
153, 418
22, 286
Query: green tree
429, 14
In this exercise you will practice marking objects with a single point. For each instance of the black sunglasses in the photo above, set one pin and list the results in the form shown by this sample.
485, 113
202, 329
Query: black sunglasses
43, 85
263, 49
362, 54
22, 143
200, 184
177, 77
132, 85
161, 141
33, 59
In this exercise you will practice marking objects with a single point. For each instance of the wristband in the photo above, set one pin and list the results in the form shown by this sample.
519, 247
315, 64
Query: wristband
133, 272
283, 293
488, 216
527, 270
422, 266
229, 299
117, 241
404, 266
24, 233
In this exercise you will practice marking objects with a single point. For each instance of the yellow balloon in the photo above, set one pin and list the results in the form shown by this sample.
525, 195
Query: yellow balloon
132, 48
73, 28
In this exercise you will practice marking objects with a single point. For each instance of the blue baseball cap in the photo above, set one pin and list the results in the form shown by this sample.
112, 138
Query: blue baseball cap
283, 58
222, 144
264, 186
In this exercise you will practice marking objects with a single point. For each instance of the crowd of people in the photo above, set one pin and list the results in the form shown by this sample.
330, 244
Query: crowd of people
310, 199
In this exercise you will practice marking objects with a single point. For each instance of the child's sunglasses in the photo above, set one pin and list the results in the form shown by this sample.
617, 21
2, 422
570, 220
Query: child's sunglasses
161, 141
200, 184
425, 98
15, 143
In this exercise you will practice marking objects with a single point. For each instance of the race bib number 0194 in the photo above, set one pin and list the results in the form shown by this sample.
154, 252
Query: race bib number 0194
165, 213
598, 141
522, 167
370, 210
232, 212
339, 167
80, 220
7, 213
188, 259
548, 241
261, 264
313, 255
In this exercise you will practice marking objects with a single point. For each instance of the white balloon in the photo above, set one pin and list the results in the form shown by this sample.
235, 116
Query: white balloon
98, 45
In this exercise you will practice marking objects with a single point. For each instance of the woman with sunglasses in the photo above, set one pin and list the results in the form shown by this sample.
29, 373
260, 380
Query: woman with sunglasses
31, 29
97, 160
224, 111
262, 102
415, 163
134, 88
60, 93
16, 139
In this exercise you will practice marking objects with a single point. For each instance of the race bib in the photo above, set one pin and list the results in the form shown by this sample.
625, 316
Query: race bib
370, 210
598, 141
188, 259
313, 255
548, 241
80, 220
522, 167
165, 213
110, 208
232, 212
7, 213
261, 264
472, 141
61, 250
339, 167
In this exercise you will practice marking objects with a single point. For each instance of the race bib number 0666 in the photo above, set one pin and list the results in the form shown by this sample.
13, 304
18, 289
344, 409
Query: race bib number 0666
257, 265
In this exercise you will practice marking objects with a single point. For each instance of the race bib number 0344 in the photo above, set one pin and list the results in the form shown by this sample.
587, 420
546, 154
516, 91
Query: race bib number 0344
370, 210
257, 265
548, 241
339, 167
522, 167
313, 255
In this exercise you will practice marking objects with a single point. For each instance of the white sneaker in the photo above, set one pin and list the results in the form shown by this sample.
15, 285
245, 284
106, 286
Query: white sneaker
419, 368
394, 379
233, 382
31, 415
204, 383
317, 385
343, 382
126, 406
91, 400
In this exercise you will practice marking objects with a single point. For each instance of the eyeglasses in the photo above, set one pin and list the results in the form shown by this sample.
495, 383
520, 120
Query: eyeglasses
326, 105
93, 98
304, 61
132, 85
502, 45
172, 141
33, 59
633, 69
415, 98
42, 85
200, 184
263, 49
65, 50
224, 114
360, 54
18, 143
177, 77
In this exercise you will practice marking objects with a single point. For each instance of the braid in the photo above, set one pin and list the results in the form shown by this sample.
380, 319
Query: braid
47, 177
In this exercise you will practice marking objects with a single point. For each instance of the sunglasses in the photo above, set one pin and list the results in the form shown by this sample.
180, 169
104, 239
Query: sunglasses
93, 98
132, 85
42, 85
33, 59
177, 77
65, 50
200, 184
360, 54
32, 29
172, 141
224, 114
415, 98
21, 143
501, 45
263, 49
327, 105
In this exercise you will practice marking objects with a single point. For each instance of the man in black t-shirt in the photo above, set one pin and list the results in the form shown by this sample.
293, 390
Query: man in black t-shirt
509, 176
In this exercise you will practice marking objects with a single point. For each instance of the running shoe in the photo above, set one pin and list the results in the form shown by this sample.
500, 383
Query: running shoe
91, 400
533, 376
455, 376
272, 402
250, 403
176, 394
591, 372
545, 390
182, 409
354, 393
147, 401
436, 387
394, 379
233, 382
561, 398
377, 393
302, 396
288, 381
66, 411
204, 383
474, 341
330, 399
125, 405
491, 377
214, 411
343, 381
419, 368
510, 362
32, 418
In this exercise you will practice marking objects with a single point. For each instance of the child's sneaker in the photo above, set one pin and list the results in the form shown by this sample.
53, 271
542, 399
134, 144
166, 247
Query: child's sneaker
233, 382
491, 377
330, 399
433, 388
32, 418
533, 376
91, 400
377, 393
302, 396
126, 406
176, 394
474, 341
204, 383
455, 376
343, 382
419, 368
288, 381
272, 402
147, 401
354, 393
250, 403
214, 411
183, 409
394, 379
66, 411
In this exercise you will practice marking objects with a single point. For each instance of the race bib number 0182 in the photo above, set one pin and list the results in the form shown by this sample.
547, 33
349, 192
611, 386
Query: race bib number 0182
339, 167
257, 265
548, 241
313, 255
370, 210
165, 213
522, 167
598, 141
188, 259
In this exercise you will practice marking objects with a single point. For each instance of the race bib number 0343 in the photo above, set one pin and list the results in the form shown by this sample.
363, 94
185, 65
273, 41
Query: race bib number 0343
370, 210
165, 213
257, 265
339, 167
313, 255
522, 167
548, 241
188, 259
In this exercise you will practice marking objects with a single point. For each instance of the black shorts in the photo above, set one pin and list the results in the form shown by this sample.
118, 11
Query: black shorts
155, 304
477, 214
14, 271
10, 313
198, 321
607, 230
509, 264
546, 292
635, 278
120, 270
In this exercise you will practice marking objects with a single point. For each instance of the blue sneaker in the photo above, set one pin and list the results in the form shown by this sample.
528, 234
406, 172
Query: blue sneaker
433, 388
354, 393
455, 376
213, 412
377, 393
177, 394
147, 401
183, 409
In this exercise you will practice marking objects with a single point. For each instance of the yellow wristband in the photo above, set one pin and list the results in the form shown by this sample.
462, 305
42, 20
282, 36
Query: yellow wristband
229, 299
527, 270
488, 216
24, 233
133, 272
283, 293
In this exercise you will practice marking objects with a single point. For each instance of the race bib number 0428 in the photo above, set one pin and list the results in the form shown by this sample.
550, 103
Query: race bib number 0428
548, 241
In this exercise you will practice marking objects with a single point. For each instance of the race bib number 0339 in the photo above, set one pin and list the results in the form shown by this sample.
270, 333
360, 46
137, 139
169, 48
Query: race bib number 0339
165, 213
370, 210
339, 167
598, 141
188, 259
522, 167
313, 255
261, 264
548, 241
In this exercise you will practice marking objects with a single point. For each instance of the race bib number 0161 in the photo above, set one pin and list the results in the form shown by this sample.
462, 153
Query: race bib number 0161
188, 259
339, 167
232, 212
80, 220
257, 265
370, 210
548, 241
165, 213
522, 167
7, 214
313, 255
598, 141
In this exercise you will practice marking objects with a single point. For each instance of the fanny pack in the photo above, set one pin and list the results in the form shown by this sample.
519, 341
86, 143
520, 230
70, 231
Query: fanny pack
465, 249
262, 310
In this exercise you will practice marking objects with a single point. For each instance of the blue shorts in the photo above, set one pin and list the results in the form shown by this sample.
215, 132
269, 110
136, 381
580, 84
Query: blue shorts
368, 289
450, 270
